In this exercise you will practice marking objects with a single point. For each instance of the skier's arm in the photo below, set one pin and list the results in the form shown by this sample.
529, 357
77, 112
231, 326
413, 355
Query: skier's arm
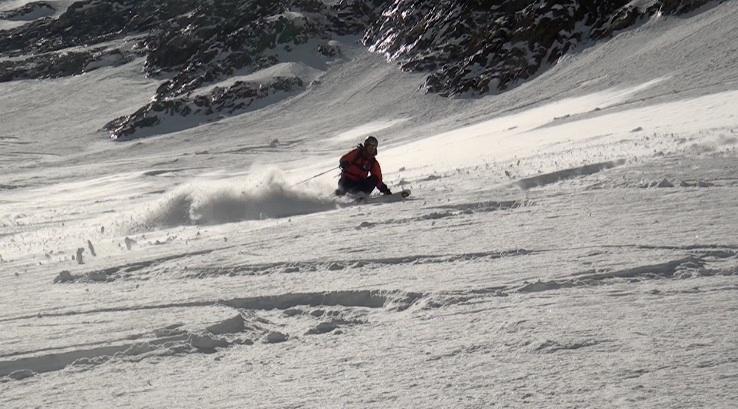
347, 159
377, 171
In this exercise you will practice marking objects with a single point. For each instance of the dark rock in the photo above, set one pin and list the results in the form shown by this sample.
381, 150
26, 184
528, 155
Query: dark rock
92, 22
471, 48
235, 99
62, 64
676, 7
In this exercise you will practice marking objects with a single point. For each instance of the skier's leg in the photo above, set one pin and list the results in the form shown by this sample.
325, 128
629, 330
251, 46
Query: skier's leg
367, 185
341, 191
347, 186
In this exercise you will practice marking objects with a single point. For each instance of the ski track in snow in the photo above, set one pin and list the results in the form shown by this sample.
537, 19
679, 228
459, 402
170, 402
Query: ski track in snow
665, 262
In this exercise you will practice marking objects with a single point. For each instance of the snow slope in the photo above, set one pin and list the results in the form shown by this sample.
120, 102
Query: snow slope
571, 243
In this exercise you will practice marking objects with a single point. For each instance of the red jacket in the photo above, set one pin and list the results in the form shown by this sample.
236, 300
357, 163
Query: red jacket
360, 165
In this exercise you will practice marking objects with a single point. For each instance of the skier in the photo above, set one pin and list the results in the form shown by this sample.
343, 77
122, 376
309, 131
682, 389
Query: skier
356, 167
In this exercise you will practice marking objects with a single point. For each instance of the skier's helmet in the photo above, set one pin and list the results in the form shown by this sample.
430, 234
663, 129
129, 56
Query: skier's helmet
371, 141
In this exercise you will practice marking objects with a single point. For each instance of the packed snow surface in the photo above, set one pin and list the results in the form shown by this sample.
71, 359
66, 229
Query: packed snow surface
570, 243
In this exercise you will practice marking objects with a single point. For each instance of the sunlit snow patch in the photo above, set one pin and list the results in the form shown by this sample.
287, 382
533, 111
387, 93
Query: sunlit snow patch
358, 132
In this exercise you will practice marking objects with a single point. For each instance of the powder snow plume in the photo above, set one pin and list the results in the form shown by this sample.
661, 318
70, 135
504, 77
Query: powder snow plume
217, 202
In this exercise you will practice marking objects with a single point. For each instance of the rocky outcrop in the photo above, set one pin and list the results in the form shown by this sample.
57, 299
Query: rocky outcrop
476, 47
215, 40
92, 22
55, 65
465, 47
40, 49
223, 37
677, 7
190, 43
168, 113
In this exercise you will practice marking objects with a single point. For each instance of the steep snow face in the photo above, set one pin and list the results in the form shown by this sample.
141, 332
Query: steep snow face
569, 243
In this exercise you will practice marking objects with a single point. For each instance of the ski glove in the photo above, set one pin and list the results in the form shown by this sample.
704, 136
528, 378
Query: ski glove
386, 191
344, 165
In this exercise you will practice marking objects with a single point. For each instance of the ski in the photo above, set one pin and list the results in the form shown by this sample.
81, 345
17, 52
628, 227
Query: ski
394, 197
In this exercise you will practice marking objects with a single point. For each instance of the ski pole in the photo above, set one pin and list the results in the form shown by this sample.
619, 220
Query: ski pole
313, 177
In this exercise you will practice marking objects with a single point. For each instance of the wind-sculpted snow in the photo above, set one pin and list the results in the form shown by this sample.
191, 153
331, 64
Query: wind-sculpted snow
554, 177
689, 267
254, 321
264, 318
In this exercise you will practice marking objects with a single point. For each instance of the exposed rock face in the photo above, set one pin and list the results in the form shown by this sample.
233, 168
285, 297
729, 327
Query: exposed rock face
92, 22
29, 11
466, 47
477, 47
220, 101
55, 65
39, 47
214, 40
